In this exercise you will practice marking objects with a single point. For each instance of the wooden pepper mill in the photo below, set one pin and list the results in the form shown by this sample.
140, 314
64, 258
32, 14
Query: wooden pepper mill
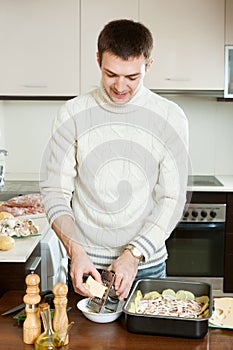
32, 324
60, 320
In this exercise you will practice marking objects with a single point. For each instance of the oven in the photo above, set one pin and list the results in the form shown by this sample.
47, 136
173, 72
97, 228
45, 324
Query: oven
196, 247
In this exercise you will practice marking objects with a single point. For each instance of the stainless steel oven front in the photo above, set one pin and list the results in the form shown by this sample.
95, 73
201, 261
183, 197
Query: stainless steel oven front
196, 246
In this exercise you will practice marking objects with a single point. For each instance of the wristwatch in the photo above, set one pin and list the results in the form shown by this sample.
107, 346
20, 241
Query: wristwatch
135, 252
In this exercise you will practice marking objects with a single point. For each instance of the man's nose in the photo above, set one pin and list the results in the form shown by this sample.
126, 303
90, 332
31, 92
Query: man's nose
120, 84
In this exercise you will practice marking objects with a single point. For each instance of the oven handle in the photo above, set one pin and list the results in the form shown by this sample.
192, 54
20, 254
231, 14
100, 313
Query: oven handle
194, 226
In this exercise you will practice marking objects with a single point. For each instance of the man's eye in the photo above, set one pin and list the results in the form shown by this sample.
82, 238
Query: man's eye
110, 75
132, 78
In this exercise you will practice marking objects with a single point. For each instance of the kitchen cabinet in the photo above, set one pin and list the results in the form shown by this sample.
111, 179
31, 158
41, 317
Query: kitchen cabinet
188, 43
39, 48
229, 23
13, 273
94, 15
228, 280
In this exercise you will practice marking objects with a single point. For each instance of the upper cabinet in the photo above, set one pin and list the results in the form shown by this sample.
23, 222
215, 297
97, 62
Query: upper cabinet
188, 43
229, 23
39, 43
94, 15
48, 48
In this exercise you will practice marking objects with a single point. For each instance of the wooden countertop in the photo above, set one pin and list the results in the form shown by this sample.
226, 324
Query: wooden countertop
88, 335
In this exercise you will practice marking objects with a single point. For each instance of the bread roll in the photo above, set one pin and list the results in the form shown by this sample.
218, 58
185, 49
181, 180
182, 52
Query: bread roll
4, 215
6, 242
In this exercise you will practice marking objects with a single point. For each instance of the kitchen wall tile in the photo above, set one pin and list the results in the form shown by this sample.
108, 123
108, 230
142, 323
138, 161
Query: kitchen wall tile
211, 129
2, 127
27, 131
224, 139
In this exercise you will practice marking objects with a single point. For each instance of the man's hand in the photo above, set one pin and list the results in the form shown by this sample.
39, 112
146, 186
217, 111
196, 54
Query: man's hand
81, 264
125, 268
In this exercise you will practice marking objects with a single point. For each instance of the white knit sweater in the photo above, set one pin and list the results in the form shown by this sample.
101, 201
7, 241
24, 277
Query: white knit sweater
123, 171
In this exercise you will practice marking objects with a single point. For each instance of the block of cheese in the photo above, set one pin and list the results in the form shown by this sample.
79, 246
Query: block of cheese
95, 288
223, 312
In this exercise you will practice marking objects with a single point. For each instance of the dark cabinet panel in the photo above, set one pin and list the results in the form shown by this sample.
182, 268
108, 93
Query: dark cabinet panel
208, 197
229, 222
228, 275
13, 275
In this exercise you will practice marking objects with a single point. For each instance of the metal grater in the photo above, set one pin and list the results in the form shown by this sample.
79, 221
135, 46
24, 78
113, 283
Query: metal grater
110, 300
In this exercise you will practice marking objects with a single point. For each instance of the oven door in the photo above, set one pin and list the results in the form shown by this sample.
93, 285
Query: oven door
196, 249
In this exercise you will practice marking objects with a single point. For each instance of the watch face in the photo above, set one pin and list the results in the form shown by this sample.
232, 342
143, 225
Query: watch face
136, 253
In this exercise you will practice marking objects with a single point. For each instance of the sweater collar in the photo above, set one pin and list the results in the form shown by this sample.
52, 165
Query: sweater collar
138, 99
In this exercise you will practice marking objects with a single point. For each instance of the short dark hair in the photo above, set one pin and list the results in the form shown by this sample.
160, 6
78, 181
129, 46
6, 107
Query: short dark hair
125, 38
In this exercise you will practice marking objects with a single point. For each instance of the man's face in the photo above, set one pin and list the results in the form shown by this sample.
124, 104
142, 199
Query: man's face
121, 78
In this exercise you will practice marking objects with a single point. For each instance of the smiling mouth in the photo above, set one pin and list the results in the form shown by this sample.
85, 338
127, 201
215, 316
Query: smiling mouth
120, 94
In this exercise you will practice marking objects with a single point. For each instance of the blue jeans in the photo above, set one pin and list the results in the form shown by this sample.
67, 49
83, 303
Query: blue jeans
158, 271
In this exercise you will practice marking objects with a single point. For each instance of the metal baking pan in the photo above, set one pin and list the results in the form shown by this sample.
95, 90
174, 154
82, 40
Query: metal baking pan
167, 325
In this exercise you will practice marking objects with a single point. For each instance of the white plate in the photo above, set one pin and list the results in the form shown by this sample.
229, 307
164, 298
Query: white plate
99, 317
223, 327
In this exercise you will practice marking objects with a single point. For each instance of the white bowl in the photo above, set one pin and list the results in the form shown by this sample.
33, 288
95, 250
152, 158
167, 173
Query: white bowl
99, 317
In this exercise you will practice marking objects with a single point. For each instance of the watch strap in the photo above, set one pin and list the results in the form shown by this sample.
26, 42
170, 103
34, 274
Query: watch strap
135, 252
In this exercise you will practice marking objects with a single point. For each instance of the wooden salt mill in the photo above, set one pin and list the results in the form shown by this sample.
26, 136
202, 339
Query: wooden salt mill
60, 319
32, 324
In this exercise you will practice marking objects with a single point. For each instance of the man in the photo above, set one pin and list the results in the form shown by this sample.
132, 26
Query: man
116, 167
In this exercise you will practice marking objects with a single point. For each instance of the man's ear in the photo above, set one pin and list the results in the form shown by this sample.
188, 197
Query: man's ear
149, 64
98, 59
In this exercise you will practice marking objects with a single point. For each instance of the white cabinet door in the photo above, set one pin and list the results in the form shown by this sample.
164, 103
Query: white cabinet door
229, 23
188, 43
94, 15
39, 43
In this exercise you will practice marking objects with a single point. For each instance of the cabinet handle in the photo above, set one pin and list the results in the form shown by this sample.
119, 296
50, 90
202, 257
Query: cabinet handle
40, 86
32, 265
178, 79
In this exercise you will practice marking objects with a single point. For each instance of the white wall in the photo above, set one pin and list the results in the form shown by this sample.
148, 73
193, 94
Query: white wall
211, 134
2, 127
26, 125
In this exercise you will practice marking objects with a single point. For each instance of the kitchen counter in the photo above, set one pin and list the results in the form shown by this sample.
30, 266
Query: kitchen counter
12, 188
16, 188
226, 180
20, 185
89, 335
25, 246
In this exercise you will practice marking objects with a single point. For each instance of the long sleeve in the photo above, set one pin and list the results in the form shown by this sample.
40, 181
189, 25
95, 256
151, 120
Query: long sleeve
59, 167
169, 193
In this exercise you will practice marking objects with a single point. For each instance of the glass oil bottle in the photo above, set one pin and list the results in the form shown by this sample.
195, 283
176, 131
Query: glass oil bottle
48, 340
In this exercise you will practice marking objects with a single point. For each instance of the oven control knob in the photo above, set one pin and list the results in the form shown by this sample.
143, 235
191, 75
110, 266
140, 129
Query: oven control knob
186, 214
195, 213
213, 214
204, 213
